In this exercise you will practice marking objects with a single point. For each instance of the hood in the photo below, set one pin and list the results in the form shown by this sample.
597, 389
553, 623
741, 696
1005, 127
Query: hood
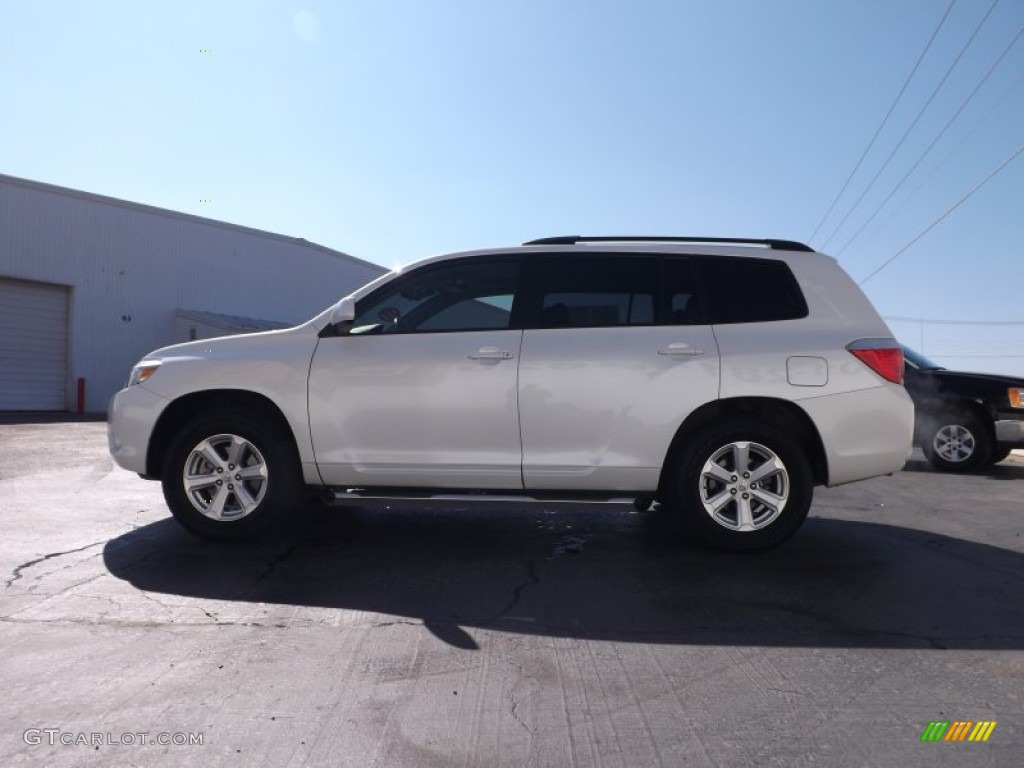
979, 378
235, 343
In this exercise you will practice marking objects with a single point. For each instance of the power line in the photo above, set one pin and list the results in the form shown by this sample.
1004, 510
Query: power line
927, 321
885, 119
949, 210
913, 124
973, 130
960, 357
935, 141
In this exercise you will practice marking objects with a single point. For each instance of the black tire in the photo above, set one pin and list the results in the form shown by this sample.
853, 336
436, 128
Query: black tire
270, 497
957, 442
688, 487
999, 453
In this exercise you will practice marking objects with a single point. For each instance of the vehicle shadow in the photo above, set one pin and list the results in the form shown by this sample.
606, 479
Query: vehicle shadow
1002, 471
605, 576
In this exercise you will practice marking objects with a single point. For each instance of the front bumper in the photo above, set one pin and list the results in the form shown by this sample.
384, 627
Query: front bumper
1010, 431
131, 416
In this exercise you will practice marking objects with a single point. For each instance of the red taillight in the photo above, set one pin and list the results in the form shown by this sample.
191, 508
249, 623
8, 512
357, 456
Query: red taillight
886, 361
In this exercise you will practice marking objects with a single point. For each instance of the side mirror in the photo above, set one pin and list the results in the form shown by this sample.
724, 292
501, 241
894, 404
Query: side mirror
344, 311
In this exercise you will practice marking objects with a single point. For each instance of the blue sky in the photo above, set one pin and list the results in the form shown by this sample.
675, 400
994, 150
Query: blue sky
394, 130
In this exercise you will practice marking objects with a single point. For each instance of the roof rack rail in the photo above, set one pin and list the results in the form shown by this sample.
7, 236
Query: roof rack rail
778, 245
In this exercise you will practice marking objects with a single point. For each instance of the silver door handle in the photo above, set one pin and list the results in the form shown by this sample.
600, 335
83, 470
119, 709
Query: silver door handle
491, 353
680, 350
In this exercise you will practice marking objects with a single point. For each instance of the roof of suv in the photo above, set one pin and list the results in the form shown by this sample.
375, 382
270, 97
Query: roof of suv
711, 246
777, 245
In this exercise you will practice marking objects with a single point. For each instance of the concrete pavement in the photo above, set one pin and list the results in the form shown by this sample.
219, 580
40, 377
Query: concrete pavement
470, 637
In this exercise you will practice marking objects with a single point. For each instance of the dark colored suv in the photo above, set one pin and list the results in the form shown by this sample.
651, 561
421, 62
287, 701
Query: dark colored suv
963, 421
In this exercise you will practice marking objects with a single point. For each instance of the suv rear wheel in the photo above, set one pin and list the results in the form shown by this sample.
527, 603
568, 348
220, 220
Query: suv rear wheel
956, 442
741, 486
230, 475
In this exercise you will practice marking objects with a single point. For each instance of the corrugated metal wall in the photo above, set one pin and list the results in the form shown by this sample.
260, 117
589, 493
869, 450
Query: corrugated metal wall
131, 267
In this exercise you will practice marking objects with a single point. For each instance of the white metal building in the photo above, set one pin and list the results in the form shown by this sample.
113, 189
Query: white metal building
89, 284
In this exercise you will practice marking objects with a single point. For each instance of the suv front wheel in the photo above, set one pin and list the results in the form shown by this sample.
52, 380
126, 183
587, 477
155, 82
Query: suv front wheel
230, 475
741, 486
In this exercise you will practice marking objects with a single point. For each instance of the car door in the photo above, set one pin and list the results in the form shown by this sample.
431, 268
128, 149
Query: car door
615, 356
420, 390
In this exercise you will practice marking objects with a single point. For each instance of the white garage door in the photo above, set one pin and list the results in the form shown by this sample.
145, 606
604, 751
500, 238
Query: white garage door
33, 346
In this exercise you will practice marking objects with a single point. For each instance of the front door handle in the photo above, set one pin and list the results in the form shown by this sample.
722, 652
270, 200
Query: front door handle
680, 350
491, 353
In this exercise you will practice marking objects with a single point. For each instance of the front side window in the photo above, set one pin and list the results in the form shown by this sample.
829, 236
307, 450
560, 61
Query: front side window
463, 295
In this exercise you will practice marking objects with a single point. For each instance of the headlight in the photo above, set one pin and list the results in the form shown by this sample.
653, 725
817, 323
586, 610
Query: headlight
143, 371
1016, 400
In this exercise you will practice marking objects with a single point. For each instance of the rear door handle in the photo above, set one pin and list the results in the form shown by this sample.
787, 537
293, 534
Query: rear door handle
491, 353
680, 350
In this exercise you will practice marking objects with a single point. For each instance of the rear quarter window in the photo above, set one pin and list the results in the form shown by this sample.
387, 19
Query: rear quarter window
745, 290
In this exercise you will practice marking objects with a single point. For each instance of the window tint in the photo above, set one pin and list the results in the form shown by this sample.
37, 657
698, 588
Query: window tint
481, 313
743, 290
596, 291
918, 361
472, 295
682, 304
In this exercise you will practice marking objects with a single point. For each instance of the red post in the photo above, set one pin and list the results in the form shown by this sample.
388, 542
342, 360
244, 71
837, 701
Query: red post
81, 396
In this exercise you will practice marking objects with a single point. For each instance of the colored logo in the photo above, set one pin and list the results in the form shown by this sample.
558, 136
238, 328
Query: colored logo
958, 730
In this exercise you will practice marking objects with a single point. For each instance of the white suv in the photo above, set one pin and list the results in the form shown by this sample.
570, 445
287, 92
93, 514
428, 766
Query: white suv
720, 378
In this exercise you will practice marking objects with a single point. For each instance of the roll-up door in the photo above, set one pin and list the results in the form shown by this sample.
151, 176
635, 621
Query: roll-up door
33, 346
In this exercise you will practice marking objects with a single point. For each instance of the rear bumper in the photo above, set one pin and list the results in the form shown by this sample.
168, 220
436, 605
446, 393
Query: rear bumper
131, 415
866, 433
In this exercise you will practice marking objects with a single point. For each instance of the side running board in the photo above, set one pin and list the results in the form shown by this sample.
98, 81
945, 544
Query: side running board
378, 497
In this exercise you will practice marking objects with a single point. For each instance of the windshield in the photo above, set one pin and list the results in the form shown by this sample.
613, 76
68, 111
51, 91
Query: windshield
919, 361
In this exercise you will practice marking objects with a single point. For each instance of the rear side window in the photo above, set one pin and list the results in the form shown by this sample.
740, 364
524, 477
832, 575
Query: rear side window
742, 290
589, 292
682, 301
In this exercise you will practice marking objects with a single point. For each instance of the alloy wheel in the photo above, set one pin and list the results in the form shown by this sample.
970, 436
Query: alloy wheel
954, 443
225, 477
744, 486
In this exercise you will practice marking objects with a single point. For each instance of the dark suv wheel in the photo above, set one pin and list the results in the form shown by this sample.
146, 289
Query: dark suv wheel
230, 475
741, 486
957, 442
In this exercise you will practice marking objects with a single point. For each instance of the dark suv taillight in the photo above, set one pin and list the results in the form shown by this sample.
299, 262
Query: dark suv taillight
883, 356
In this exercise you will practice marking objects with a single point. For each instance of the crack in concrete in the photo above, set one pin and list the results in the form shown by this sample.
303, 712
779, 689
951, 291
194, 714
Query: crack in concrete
68, 568
146, 596
271, 567
102, 598
135, 563
17, 572
531, 579
515, 713
77, 584
218, 622
571, 545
